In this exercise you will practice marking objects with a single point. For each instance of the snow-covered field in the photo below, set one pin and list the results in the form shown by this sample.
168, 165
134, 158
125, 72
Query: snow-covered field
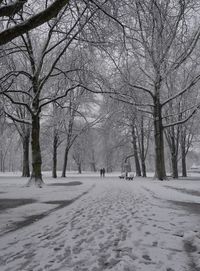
85, 223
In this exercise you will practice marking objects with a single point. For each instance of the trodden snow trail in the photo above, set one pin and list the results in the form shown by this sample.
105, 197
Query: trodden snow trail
117, 226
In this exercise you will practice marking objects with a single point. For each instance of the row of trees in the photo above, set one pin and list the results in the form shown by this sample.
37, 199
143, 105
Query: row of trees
116, 142
142, 54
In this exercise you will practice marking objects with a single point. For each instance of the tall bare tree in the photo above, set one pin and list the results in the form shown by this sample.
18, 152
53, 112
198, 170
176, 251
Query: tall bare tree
43, 65
160, 39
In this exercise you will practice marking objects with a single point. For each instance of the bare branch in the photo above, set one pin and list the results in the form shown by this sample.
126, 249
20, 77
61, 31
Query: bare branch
13, 118
33, 22
184, 120
12, 9
132, 103
192, 83
58, 98
18, 103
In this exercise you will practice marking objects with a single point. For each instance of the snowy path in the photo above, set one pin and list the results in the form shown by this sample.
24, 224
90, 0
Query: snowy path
117, 226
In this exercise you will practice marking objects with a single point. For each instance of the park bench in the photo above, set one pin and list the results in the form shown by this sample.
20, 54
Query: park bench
123, 175
130, 176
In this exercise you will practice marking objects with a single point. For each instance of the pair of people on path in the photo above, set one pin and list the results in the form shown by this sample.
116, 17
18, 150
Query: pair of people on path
102, 172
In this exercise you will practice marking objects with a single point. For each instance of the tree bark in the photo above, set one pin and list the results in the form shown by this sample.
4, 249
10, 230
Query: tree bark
184, 167
160, 172
2, 166
55, 147
69, 141
93, 163
183, 155
135, 150
143, 164
65, 162
25, 166
79, 168
36, 175
174, 158
174, 166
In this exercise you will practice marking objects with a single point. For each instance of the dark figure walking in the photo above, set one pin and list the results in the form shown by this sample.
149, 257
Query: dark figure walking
103, 172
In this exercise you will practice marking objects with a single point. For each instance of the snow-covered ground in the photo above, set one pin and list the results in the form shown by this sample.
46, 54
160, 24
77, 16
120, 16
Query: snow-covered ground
85, 223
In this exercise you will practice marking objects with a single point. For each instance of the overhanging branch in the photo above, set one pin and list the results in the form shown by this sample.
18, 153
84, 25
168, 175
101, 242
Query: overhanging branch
33, 22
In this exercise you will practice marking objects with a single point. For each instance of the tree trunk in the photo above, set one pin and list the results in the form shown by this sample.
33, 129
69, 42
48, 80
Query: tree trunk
184, 167
2, 166
174, 166
36, 175
135, 150
55, 146
144, 174
79, 168
174, 158
183, 155
25, 166
93, 164
65, 162
160, 172
69, 143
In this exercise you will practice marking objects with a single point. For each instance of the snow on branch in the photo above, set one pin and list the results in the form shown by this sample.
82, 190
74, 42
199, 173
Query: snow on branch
192, 83
184, 120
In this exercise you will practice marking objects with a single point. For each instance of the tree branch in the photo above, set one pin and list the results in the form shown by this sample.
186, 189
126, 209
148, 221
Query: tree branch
12, 9
58, 98
18, 103
33, 22
17, 119
196, 79
182, 121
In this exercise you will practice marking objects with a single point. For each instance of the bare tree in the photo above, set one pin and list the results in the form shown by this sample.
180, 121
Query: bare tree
155, 40
40, 71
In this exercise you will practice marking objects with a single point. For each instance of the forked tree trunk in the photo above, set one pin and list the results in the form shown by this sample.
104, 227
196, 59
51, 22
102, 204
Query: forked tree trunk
36, 175
135, 150
55, 147
160, 172
25, 165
